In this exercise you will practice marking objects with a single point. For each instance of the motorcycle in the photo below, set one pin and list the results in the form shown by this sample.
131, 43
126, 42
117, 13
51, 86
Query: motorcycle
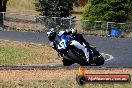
71, 54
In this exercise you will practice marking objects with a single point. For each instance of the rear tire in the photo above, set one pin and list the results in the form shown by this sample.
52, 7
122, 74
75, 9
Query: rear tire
78, 59
67, 62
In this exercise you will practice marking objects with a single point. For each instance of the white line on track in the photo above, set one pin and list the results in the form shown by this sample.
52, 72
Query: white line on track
110, 56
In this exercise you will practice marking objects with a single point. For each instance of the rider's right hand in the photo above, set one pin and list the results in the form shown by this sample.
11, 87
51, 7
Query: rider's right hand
74, 31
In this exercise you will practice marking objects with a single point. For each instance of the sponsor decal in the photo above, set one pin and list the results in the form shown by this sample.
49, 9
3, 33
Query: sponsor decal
82, 78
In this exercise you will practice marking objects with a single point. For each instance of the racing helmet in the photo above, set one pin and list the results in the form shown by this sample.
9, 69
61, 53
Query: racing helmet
72, 30
51, 34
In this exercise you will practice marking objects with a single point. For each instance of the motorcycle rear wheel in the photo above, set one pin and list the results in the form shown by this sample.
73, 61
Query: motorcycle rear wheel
77, 57
67, 62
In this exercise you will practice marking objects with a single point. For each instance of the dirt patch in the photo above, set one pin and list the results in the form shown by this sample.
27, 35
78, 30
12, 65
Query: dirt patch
53, 74
36, 75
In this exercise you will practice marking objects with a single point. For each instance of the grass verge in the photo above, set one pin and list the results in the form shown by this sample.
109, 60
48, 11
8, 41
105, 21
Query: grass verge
17, 53
12, 56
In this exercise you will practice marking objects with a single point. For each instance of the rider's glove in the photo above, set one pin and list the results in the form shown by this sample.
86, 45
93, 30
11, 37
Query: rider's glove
74, 31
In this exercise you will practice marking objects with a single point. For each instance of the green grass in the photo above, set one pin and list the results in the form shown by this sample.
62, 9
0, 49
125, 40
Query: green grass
17, 53
12, 56
65, 83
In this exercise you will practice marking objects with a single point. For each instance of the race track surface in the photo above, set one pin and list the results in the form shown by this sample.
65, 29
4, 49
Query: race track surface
119, 48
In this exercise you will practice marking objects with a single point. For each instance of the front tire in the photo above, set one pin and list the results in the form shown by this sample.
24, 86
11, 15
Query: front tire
99, 61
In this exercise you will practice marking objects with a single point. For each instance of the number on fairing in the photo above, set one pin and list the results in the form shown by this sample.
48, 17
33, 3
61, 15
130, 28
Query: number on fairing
61, 45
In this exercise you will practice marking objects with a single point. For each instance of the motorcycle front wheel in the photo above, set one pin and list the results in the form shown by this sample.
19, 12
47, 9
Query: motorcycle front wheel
100, 60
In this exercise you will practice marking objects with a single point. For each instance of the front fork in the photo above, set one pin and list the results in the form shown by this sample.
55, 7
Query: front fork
95, 55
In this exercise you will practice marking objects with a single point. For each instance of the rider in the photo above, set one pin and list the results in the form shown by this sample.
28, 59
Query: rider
82, 44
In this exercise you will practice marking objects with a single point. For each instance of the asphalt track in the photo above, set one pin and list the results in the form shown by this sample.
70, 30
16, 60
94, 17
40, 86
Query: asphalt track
119, 48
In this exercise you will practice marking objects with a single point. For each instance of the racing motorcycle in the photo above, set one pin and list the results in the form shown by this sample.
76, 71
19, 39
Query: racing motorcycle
71, 54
